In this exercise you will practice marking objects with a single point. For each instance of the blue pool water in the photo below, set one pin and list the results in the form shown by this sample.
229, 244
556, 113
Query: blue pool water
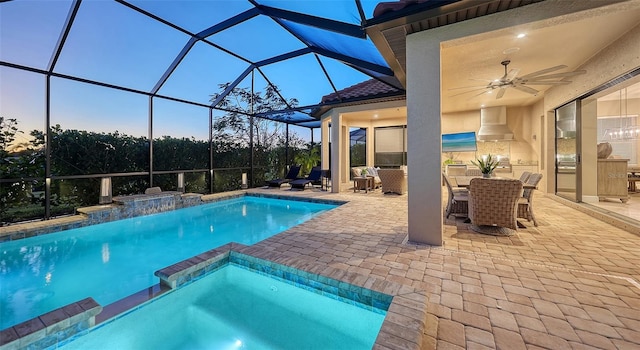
234, 308
113, 260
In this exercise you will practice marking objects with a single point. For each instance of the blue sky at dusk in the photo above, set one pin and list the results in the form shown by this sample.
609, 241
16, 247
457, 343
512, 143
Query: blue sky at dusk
114, 44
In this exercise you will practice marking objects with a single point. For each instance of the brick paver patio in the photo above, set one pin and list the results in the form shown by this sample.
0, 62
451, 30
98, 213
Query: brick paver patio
573, 282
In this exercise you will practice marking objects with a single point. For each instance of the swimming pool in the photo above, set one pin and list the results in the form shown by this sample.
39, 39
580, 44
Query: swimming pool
113, 260
235, 308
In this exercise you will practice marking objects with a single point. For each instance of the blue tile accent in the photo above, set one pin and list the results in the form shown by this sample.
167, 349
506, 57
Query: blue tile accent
323, 285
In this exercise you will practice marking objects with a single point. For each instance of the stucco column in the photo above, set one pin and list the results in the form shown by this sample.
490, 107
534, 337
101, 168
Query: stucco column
336, 156
370, 146
324, 143
424, 140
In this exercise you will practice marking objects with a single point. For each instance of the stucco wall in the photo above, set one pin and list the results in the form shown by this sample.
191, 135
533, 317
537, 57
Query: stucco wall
621, 57
520, 121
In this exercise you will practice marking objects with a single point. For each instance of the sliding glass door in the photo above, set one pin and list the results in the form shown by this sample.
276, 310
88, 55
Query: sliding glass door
568, 151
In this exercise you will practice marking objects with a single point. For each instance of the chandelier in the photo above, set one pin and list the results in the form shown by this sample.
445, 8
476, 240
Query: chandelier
628, 131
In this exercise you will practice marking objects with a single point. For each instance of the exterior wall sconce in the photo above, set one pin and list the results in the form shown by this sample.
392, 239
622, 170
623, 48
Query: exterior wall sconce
181, 182
244, 181
105, 190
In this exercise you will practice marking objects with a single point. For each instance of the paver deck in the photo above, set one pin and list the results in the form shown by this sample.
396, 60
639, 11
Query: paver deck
573, 282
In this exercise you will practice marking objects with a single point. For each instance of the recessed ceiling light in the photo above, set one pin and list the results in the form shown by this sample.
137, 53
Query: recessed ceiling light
521, 35
375, 115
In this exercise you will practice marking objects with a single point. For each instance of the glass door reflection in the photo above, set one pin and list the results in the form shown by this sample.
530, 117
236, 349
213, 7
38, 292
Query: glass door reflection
567, 151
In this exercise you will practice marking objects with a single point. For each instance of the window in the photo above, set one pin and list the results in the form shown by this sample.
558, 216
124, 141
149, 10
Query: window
390, 146
358, 147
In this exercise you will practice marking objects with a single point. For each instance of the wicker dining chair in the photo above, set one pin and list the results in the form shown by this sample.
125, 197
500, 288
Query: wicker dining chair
458, 200
525, 203
525, 176
473, 172
493, 205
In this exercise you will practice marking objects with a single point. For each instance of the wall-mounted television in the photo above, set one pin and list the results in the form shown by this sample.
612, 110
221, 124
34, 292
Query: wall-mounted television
459, 142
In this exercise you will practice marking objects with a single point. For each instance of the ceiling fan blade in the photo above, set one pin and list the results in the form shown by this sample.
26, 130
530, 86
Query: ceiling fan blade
501, 92
482, 93
466, 92
535, 82
559, 75
468, 87
543, 71
526, 89
512, 74
480, 79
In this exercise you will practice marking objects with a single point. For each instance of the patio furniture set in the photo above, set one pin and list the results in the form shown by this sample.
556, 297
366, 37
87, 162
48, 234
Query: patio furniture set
492, 205
389, 180
316, 176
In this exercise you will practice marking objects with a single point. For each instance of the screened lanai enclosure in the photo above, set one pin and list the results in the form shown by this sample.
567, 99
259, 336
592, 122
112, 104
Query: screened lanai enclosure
184, 95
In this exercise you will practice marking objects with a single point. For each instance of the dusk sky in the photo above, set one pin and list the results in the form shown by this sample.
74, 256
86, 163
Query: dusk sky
114, 44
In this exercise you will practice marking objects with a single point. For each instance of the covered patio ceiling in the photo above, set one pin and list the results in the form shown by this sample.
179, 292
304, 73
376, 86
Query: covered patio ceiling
190, 51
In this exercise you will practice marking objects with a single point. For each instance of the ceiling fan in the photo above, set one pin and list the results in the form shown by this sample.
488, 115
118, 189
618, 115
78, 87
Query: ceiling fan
510, 79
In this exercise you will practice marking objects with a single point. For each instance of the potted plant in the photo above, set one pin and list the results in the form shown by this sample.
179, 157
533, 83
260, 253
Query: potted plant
449, 159
486, 165
364, 172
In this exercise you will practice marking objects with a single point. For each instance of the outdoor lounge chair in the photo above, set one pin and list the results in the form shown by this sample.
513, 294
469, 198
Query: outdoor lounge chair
291, 175
393, 180
314, 177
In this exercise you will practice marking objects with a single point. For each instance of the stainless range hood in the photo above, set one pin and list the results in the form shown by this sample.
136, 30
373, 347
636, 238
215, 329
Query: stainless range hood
566, 122
493, 124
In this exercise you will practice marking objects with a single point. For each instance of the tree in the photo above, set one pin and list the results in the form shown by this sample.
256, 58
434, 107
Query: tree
308, 158
8, 131
234, 125
231, 131
17, 161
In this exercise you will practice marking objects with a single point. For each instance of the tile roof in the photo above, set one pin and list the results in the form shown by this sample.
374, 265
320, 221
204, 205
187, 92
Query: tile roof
371, 88
390, 6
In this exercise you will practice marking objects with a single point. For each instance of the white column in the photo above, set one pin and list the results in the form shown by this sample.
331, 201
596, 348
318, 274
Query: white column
370, 146
336, 154
324, 141
424, 140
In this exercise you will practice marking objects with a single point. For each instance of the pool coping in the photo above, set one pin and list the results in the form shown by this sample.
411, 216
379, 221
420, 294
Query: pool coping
98, 214
48, 329
404, 325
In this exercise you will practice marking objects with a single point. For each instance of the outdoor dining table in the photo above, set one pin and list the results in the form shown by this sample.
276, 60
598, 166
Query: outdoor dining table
464, 181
